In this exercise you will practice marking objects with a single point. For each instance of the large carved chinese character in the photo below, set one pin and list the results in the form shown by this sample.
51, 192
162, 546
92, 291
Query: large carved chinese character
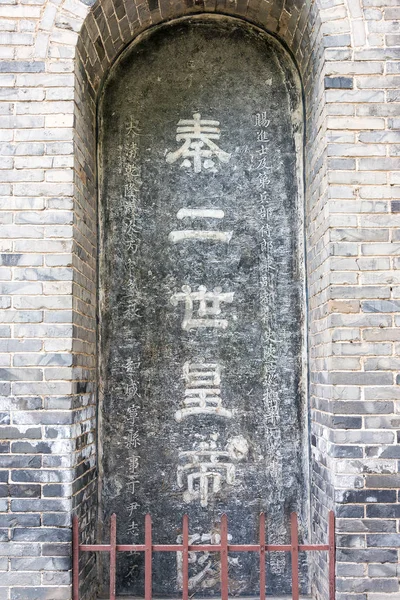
198, 148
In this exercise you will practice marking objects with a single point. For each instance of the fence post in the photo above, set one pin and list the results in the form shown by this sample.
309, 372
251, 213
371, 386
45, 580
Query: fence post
185, 557
263, 581
224, 557
113, 555
331, 542
75, 558
294, 542
148, 557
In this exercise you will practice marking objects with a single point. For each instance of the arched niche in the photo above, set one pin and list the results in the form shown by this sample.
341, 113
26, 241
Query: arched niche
202, 304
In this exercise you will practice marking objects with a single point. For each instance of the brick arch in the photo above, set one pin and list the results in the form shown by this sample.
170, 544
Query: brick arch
313, 35
303, 25
306, 27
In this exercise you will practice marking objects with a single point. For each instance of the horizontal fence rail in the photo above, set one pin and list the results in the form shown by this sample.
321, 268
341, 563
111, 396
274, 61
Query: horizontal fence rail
223, 548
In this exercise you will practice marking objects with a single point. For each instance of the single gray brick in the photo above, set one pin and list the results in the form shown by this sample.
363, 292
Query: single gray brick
45, 359
31, 448
14, 259
25, 403
350, 570
5, 388
41, 418
367, 291
25, 287
19, 520
29, 149
58, 388
360, 235
22, 66
56, 549
360, 408
39, 534
335, 41
367, 585
382, 422
366, 556
350, 596
16, 39
361, 437
19, 462
366, 525
365, 497
40, 506
352, 451
20, 579
56, 578
382, 364
41, 593
386, 540
42, 475
44, 274
10, 550
377, 306
57, 520
27, 316
5, 302
21, 374
42, 330
383, 481
360, 378
342, 422
41, 564
24, 491
339, 82
389, 570
13, 433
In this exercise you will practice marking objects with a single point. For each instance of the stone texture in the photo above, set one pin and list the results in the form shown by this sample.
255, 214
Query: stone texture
147, 342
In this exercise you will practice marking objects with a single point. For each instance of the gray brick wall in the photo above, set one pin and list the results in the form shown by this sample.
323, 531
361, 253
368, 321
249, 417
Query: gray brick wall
53, 58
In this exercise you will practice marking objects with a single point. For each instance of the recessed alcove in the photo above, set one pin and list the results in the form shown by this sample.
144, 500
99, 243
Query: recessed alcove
202, 304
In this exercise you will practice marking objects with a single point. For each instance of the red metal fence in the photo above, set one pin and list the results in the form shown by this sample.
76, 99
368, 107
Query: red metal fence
223, 548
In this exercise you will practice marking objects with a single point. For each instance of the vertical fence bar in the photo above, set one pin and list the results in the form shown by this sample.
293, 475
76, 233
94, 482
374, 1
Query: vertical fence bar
148, 556
263, 581
185, 557
75, 558
224, 558
294, 542
113, 555
331, 542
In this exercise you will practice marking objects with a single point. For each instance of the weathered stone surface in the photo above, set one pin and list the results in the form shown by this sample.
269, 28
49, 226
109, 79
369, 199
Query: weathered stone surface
244, 242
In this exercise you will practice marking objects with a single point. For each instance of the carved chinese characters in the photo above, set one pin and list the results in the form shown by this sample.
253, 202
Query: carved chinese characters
202, 399
207, 467
202, 393
198, 147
